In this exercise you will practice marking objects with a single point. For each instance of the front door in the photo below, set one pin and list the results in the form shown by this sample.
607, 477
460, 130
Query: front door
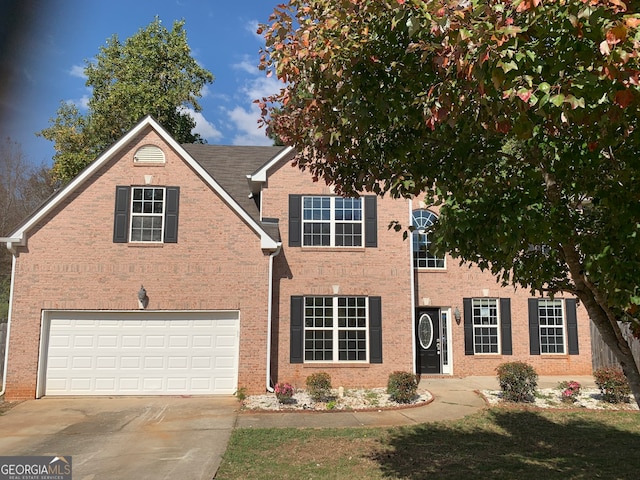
428, 333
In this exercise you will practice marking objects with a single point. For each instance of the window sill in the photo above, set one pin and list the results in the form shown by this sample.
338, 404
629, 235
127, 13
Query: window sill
149, 164
145, 245
333, 249
427, 269
336, 365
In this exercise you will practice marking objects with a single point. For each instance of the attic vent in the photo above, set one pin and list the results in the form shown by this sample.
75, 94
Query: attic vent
149, 154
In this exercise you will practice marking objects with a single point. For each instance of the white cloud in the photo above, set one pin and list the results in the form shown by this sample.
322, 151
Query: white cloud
248, 66
203, 127
263, 87
246, 123
245, 117
252, 27
83, 103
78, 71
205, 91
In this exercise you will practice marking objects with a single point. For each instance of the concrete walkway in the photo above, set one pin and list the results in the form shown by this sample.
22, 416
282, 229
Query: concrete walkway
454, 398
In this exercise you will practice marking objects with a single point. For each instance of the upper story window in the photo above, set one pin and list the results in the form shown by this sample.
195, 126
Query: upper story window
146, 214
329, 221
332, 222
423, 220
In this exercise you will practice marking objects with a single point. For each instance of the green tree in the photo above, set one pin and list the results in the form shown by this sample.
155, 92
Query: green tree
151, 73
518, 117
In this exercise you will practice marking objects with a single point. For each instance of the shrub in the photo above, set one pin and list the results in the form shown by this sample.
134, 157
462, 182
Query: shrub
402, 386
570, 391
284, 392
612, 384
319, 386
518, 381
241, 393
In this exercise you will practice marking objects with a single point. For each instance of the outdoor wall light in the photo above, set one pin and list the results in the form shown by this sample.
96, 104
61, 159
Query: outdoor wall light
456, 314
143, 300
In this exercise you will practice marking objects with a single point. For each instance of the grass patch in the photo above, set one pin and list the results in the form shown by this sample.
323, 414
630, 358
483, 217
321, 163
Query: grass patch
496, 443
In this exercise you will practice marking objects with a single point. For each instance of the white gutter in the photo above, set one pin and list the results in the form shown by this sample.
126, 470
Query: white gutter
6, 346
413, 295
12, 243
269, 317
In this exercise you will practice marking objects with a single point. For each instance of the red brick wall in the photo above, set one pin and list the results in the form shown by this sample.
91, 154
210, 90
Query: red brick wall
447, 288
70, 262
382, 271
386, 271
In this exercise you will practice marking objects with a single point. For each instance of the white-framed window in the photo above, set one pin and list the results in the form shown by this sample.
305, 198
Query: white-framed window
486, 325
147, 214
332, 222
335, 329
423, 221
551, 318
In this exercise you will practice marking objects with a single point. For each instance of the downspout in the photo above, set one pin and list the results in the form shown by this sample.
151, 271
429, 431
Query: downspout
413, 294
6, 346
269, 317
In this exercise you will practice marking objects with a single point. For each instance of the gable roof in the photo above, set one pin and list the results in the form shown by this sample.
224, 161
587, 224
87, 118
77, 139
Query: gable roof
232, 167
219, 161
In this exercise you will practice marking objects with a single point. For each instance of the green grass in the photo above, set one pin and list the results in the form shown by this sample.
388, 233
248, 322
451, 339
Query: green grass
498, 443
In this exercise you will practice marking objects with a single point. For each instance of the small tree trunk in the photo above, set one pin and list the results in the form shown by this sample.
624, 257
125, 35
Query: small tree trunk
604, 320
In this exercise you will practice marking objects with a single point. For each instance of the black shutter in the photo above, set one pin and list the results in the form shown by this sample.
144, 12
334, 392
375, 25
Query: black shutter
121, 215
505, 326
370, 221
375, 330
171, 215
296, 345
295, 220
468, 326
572, 326
534, 327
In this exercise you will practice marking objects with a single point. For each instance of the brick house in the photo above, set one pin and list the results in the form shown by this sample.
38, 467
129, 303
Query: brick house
169, 269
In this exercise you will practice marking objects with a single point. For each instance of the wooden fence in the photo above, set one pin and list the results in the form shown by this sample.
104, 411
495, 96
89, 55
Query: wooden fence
602, 356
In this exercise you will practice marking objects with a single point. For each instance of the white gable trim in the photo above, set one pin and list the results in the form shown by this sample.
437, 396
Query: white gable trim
19, 237
260, 176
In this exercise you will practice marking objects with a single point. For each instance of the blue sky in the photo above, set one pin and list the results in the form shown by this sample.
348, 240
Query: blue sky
62, 34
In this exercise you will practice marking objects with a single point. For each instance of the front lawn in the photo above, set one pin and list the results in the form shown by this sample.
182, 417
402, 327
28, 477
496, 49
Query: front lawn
500, 443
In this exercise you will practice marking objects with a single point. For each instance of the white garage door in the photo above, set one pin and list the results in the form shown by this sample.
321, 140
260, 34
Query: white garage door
141, 353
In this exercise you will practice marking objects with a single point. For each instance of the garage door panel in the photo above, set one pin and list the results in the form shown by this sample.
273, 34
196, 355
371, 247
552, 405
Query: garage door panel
123, 355
106, 362
82, 363
107, 341
83, 341
131, 341
178, 341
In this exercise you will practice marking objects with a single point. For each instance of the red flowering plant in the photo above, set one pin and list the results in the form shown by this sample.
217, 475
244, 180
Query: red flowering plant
570, 391
284, 392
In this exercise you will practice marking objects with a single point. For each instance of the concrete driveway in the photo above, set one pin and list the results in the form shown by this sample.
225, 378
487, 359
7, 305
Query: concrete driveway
124, 437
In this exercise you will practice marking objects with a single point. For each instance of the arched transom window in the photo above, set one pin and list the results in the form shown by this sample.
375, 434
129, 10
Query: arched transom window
423, 221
